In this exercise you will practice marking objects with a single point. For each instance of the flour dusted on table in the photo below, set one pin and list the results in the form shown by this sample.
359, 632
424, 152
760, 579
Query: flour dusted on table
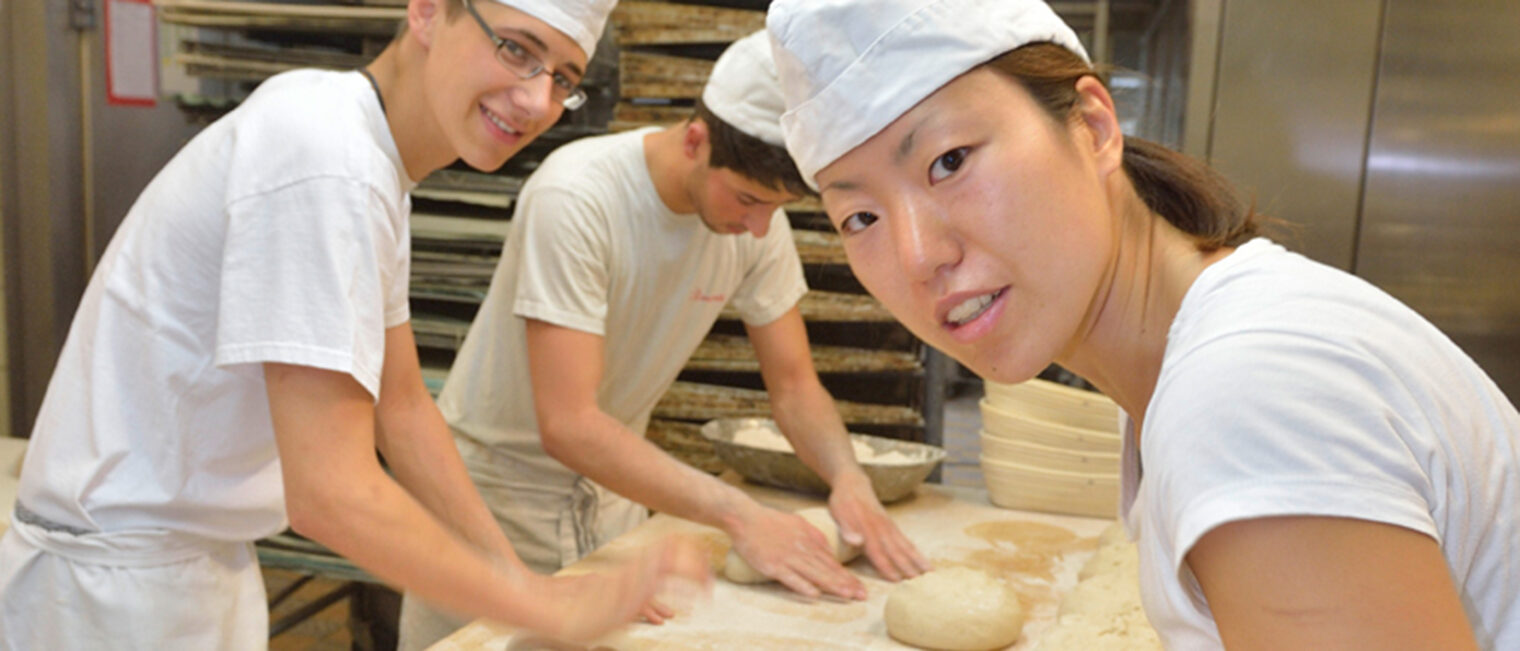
1118, 558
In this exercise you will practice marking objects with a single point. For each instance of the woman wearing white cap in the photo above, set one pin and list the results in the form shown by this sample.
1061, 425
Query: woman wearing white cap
1310, 464
243, 349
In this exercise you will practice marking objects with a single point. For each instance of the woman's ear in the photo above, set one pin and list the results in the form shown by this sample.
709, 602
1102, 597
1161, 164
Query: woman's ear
422, 16
1095, 111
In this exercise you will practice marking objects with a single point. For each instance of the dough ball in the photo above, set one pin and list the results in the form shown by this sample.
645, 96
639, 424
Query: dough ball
736, 569
1110, 559
956, 609
821, 519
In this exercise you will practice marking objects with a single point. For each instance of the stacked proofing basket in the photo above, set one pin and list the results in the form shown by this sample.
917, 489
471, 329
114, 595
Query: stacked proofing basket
1050, 447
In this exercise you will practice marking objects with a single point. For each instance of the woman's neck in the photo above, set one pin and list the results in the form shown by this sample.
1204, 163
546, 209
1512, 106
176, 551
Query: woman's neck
1124, 342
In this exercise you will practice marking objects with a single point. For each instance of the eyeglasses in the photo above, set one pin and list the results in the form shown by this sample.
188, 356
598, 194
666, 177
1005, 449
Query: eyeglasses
516, 57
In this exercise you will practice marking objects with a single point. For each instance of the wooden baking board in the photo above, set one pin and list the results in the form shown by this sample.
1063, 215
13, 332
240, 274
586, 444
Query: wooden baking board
1039, 553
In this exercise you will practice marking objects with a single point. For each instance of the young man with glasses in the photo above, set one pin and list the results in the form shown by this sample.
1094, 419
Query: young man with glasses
243, 350
624, 249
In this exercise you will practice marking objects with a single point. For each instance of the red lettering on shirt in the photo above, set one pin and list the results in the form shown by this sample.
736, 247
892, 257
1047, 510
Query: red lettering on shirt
697, 295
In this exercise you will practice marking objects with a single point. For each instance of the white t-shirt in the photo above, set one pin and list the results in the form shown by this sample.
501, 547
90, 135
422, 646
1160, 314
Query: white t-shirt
1292, 388
593, 248
278, 234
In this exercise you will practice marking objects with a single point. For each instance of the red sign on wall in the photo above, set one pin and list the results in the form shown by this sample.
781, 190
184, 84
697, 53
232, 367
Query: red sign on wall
131, 53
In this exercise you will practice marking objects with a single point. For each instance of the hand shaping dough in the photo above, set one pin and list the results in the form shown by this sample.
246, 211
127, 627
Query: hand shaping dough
955, 608
737, 570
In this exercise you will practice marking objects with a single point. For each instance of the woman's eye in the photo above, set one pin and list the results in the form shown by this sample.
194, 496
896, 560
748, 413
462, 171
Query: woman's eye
947, 164
856, 222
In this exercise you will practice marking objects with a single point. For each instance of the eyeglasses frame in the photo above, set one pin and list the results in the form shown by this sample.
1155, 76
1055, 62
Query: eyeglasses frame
574, 98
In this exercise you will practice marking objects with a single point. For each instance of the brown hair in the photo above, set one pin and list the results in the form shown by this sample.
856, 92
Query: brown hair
755, 159
1182, 189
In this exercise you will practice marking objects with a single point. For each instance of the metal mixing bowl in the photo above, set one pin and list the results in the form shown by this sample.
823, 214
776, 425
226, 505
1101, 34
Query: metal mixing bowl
784, 470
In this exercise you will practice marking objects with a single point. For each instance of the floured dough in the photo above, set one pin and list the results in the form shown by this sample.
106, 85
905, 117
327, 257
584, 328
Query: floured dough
955, 608
1103, 611
1113, 558
1111, 595
1114, 534
1084, 632
736, 569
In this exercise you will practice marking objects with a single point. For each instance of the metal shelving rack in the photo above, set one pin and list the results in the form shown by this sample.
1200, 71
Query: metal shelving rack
652, 61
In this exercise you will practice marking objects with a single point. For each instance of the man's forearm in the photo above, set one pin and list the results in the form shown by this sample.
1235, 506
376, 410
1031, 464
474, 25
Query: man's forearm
369, 519
601, 448
807, 415
420, 450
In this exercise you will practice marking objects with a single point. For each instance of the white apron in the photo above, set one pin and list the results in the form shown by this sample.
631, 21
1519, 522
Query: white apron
549, 526
148, 589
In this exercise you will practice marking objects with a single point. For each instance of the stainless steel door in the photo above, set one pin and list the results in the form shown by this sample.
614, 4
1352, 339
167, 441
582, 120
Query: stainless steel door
1290, 113
1440, 225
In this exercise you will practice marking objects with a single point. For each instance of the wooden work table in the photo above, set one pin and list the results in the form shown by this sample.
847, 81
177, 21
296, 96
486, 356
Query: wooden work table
1039, 553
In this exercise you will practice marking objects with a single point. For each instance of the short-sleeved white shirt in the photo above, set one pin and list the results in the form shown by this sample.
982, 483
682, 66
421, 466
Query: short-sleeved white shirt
1292, 388
593, 248
277, 234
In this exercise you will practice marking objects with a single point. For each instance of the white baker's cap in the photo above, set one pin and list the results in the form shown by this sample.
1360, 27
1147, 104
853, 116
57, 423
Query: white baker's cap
849, 68
581, 20
743, 89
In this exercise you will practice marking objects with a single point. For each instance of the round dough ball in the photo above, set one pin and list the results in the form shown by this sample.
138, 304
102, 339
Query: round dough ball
821, 519
956, 609
736, 569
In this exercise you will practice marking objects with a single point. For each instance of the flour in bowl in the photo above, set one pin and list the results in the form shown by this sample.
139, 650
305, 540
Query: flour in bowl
766, 438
